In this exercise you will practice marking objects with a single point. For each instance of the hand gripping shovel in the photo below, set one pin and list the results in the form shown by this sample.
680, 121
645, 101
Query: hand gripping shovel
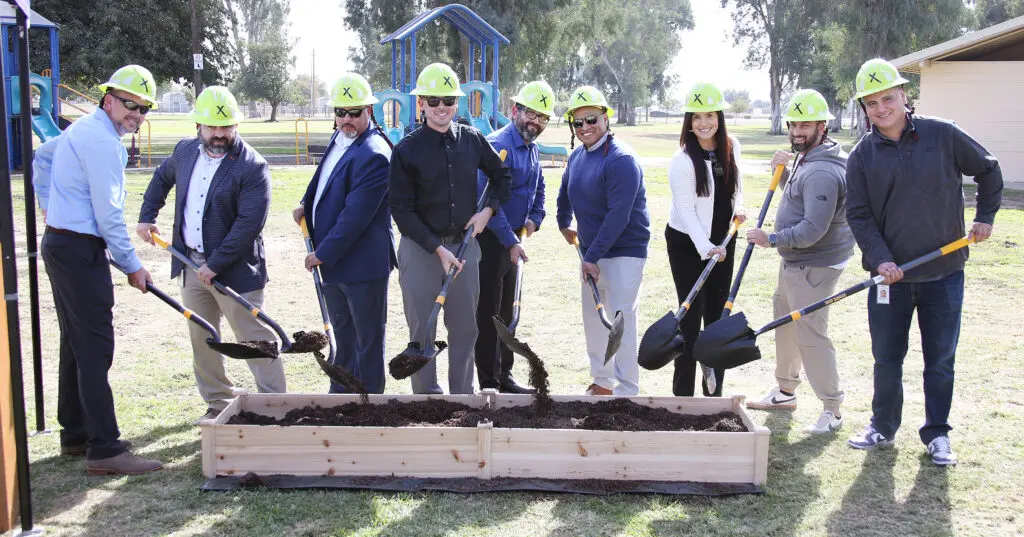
304, 341
730, 342
419, 353
231, 350
615, 327
338, 374
507, 333
663, 341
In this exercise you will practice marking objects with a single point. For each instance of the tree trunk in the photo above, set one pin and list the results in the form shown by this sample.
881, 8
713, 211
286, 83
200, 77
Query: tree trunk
273, 111
836, 124
859, 121
626, 115
776, 95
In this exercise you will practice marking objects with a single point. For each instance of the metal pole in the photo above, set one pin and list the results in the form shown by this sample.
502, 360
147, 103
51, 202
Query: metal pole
197, 74
10, 279
312, 87
30, 217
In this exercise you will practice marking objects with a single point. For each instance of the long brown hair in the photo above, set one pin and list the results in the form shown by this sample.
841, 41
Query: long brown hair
723, 151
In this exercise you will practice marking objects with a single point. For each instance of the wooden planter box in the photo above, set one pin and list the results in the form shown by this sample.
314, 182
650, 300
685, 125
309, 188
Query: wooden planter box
484, 451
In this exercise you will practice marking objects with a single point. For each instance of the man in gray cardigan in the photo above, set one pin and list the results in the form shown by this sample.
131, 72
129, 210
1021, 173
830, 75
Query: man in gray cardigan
815, 243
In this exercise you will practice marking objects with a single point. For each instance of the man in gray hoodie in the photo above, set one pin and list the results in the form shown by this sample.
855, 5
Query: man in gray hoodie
815, 242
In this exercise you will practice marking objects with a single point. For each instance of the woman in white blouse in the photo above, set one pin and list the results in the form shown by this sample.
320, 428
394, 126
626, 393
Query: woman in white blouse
706, 194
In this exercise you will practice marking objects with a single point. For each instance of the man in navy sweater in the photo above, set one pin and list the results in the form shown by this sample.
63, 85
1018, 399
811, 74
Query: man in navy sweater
500, 248
603, 186
905, 199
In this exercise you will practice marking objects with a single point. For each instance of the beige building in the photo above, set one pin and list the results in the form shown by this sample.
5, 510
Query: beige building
977, 80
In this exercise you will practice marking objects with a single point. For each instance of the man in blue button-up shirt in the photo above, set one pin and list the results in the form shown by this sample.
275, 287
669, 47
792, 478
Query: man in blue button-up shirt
81, 187
500, 246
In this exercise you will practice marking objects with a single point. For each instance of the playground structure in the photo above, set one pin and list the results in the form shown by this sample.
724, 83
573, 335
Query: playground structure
397, 111
45, 120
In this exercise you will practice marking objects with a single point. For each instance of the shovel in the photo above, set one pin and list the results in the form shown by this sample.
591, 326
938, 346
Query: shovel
304, 341
663, 342
336, 373
507, 333
231, 350
615, 327
418, 354
730, 342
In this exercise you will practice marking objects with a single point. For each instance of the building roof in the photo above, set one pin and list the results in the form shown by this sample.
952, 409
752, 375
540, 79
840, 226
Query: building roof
8, 17
970, 46
459, 16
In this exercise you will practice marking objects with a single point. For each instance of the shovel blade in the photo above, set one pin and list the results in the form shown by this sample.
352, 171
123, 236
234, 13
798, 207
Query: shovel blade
615, 336
339, 374
239, 351
726, 343
508, 338
413, 358
661, 343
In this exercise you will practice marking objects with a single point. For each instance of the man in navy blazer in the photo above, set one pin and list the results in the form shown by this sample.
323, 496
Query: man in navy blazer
346, 210
222, 197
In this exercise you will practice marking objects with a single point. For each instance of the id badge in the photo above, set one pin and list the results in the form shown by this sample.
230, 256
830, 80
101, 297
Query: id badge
882, 296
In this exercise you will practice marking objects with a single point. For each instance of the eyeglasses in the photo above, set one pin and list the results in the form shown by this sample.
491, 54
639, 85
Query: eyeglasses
131, 105
434, 102
533, 116
591, 120
351, 112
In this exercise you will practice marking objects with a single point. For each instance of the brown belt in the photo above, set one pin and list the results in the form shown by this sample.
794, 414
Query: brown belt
69, 233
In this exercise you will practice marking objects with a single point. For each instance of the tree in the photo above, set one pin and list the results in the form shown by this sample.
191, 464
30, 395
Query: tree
262, 49
991, 12
739, 99
99, 36
777, 33
299, 91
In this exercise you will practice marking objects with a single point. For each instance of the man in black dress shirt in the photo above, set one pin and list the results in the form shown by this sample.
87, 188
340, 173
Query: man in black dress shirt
433, 198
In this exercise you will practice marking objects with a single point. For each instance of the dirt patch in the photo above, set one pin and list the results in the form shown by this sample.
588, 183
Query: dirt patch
343, 376
307, 342
266, 347
412, 360
613, 415
542, 401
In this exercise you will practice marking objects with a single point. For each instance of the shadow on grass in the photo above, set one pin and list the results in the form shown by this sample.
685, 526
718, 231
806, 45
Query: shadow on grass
871, 507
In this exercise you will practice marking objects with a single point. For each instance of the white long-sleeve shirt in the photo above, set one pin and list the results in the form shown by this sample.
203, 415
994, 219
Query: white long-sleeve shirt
689, 213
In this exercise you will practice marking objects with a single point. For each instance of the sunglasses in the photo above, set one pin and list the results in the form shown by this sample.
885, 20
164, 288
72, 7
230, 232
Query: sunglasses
591, 120
351, 112
533, 116
131, 105
434, 102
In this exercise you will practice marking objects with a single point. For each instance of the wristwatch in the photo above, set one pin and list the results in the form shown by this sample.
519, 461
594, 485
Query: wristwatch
772, 239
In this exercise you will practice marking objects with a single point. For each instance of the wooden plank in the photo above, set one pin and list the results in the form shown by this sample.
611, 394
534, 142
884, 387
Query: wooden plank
760, 470
681, 405
276, 405
485, 430
8, 466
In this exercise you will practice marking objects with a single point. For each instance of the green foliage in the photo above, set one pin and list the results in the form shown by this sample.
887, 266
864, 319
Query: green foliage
739, 99
991, 12
98, 36
259, 28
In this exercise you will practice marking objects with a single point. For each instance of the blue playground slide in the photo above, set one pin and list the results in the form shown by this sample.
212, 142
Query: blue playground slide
482, 124
42, 124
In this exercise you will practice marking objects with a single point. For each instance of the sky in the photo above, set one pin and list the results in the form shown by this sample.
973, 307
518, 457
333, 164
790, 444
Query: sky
707, 54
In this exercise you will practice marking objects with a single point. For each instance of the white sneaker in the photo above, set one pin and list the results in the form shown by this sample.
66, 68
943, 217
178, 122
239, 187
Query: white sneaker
869, 439
941, 452
775, 400
827, 423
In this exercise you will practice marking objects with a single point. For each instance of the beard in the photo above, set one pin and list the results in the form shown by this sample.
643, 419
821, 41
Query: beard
529, 131
217, 146
806, 144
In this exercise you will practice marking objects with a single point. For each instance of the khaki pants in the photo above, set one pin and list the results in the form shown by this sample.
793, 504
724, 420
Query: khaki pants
208, 364
805, 342
619, 286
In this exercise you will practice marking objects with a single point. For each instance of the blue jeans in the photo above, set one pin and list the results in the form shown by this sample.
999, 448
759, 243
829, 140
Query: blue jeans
359, 312
938, 306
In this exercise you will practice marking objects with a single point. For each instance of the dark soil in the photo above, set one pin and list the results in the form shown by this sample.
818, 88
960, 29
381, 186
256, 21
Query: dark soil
343, 376
266, 347
542, 401
308, 342
612, 415
411, 360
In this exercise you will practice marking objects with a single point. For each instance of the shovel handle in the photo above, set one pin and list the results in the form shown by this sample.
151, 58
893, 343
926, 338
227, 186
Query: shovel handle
593, 289
318, 283
286, 342
688, 301
518, 293
735, 289
185, 312
870, 282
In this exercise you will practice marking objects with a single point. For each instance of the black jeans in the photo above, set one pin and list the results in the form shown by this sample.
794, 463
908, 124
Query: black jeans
497, 294
83, 294
686, 267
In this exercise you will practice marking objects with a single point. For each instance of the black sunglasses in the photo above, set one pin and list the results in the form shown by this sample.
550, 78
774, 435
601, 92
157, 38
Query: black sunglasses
131, 105
591, 120
434, 102
351, 112
533, 116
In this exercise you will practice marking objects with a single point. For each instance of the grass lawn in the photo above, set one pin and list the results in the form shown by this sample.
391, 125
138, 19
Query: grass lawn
816, 485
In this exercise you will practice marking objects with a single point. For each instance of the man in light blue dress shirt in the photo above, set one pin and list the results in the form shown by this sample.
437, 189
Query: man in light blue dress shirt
80, 183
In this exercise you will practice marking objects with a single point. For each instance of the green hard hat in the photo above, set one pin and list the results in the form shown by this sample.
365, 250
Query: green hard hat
134, 79
807, 105
705, 97
216, 107
351, 91
437, 80
587, 96
877, 75
537, 96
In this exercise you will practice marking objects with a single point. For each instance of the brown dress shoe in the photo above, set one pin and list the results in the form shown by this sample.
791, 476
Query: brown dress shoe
594, 389
211, 414
79, 450
127, 463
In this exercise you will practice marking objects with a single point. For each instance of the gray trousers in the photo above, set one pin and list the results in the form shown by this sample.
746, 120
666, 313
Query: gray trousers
420, 276
208, 364
806, 342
